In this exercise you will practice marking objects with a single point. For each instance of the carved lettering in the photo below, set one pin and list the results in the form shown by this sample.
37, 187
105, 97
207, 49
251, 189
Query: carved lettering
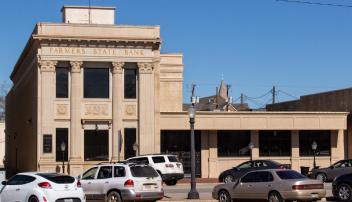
78, 51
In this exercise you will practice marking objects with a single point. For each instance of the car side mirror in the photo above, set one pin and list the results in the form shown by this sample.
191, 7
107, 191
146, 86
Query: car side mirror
4, 183
79, 177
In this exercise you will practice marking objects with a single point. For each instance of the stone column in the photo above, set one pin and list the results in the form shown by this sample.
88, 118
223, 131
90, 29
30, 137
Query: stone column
146, 108
295, 164
205, 153
117, 97
255, 141
47, 68
337, 145
76, 132
213, 154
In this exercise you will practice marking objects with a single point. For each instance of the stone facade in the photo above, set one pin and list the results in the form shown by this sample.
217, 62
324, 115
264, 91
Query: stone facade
34, 112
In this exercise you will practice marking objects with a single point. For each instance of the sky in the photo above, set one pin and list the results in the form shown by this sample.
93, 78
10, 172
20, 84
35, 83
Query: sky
251, 44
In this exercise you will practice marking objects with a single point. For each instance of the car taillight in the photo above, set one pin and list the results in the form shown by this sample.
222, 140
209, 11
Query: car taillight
169, 165
307, 186
129, 183
78, 184
44, 199
45, 185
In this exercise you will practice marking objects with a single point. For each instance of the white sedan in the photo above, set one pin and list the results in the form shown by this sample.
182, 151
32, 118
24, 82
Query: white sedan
42, 187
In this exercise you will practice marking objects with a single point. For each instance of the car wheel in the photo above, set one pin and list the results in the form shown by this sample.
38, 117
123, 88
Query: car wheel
228, 179
33, 199
114, 197
321, 176
275, 197
171, 182
224, 196
344, 192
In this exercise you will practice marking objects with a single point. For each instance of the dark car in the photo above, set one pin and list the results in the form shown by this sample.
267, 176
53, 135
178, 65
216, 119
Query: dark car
236, 172
328, 174
342, 187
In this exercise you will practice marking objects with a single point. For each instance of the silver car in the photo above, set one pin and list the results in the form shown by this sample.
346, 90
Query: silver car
274, 185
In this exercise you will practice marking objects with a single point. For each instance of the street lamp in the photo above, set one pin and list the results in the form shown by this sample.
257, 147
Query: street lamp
250, 147
193, 193
314, 148
63, 149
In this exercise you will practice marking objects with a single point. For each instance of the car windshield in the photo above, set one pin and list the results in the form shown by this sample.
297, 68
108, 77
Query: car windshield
289, 175
57, 178
143, 171
172, 158
245, 165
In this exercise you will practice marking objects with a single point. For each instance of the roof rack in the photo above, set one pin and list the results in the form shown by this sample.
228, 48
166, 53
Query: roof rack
112, 162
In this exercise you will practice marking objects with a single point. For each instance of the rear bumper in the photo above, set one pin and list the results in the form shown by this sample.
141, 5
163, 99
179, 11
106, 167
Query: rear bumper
172, 176
304, 195
131, 195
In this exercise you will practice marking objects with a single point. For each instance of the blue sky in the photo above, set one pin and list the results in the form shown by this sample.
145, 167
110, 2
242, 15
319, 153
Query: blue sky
252, 44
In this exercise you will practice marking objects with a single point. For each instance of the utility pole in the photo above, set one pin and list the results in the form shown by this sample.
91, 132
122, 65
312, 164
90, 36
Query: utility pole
242, 98
274, 94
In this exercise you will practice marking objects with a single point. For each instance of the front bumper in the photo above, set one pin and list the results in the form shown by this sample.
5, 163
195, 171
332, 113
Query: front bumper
304, 195
172, 176
131, 195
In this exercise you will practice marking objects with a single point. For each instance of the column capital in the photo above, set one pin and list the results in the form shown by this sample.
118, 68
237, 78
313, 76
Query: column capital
145, 67
117, 67
76, 66
47, 65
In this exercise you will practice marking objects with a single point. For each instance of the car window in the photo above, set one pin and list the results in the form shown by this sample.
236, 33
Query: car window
20, 180
289, 174
143, 160
119, 171
158, 159
261, 176
90, 174
105, 172
258, 164
143, 171
57, 178
172, 158
338, 164
245, 165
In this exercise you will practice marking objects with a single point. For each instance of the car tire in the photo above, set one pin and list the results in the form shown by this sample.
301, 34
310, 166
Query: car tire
114, 196
321, 176
275, 197
228, 179
344, 192
224, 196
33, 199
171, 182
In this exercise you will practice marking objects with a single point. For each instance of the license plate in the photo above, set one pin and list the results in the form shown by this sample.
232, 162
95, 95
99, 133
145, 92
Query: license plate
68, 200
315, 195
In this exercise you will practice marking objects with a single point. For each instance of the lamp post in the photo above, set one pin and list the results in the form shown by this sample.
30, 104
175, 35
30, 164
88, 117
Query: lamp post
63, 149
193, 193
250, 147
314, 148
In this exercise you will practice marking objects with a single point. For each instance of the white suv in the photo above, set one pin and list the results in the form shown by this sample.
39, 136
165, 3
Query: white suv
170, 169
116, 182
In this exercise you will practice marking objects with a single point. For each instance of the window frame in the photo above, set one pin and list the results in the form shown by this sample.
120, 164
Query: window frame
263, 139
130, 66
86, 69
225, 147
101, 170
305, 148
68, 82
95, 174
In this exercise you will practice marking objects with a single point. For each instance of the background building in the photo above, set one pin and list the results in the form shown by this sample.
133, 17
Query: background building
98, 87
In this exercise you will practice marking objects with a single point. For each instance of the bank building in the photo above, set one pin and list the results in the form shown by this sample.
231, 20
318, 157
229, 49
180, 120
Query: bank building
108, 93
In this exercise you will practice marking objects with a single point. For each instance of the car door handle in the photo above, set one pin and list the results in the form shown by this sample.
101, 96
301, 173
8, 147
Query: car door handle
18, 189
269, 185
106, 182
89, 182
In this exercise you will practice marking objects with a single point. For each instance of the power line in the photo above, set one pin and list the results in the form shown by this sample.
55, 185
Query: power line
316, 3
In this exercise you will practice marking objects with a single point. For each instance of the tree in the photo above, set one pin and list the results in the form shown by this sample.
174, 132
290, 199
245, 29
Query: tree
4, 86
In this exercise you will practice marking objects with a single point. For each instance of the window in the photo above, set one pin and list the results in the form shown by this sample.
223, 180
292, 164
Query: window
143, 171
61, 82
275, 143
129, 141
289, 174
226, 146
57, 178
61, 137
342, 164
130, 79
322, 138
105, 172
248, 164
96, 145
158, 159
90, 174
261, 176
172, 158
96, 83
20, 180
119, 171
47, 143
143, 160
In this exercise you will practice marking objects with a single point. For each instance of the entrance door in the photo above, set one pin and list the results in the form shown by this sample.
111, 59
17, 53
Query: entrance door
179, 143
130, 140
